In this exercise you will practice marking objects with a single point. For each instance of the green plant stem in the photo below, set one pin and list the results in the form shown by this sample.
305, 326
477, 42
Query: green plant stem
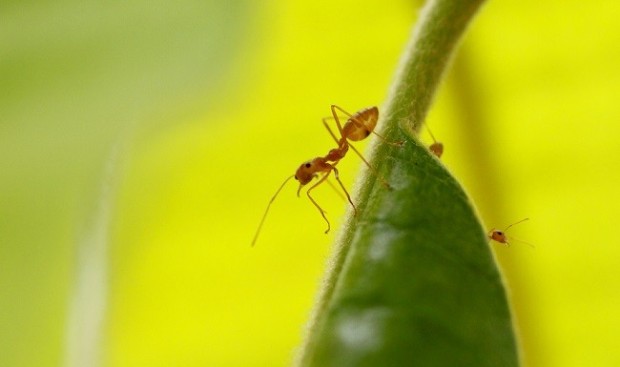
412, 279
438, 31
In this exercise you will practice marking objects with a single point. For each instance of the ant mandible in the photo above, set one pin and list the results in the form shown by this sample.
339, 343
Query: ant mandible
357, 127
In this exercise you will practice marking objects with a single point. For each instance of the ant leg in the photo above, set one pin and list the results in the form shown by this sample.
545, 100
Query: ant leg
315, 203
331, 184
393, 143
327, 118
330, 130
334, 107
431, 133
345, 190
374, 171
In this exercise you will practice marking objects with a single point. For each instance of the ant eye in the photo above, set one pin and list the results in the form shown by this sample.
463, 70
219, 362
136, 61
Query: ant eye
308, 165
296, 177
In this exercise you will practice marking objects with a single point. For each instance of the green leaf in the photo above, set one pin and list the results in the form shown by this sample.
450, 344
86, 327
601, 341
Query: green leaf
413, 280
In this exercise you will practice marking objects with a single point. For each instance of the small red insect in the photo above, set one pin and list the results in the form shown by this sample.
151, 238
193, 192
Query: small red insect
501, 237
437, 146
357, 127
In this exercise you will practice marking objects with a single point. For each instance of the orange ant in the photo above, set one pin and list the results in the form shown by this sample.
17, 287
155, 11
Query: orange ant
437, 146
501, 237
357, 127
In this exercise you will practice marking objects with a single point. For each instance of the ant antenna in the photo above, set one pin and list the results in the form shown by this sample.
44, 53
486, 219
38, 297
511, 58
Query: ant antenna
521, 221
260, 226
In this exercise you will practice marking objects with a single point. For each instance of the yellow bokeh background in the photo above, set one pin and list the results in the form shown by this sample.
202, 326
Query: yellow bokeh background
148, 240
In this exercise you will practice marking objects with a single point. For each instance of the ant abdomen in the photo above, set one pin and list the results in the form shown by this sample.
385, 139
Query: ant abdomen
361, 124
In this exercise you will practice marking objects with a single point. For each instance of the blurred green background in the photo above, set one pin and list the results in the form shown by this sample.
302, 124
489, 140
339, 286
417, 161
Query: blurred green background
141, 140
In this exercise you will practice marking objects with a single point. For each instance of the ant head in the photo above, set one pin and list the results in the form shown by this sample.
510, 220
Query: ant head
497, 235
305, 173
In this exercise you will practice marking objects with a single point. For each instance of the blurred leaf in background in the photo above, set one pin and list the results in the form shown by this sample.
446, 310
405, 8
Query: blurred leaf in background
140, 142
77, 79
